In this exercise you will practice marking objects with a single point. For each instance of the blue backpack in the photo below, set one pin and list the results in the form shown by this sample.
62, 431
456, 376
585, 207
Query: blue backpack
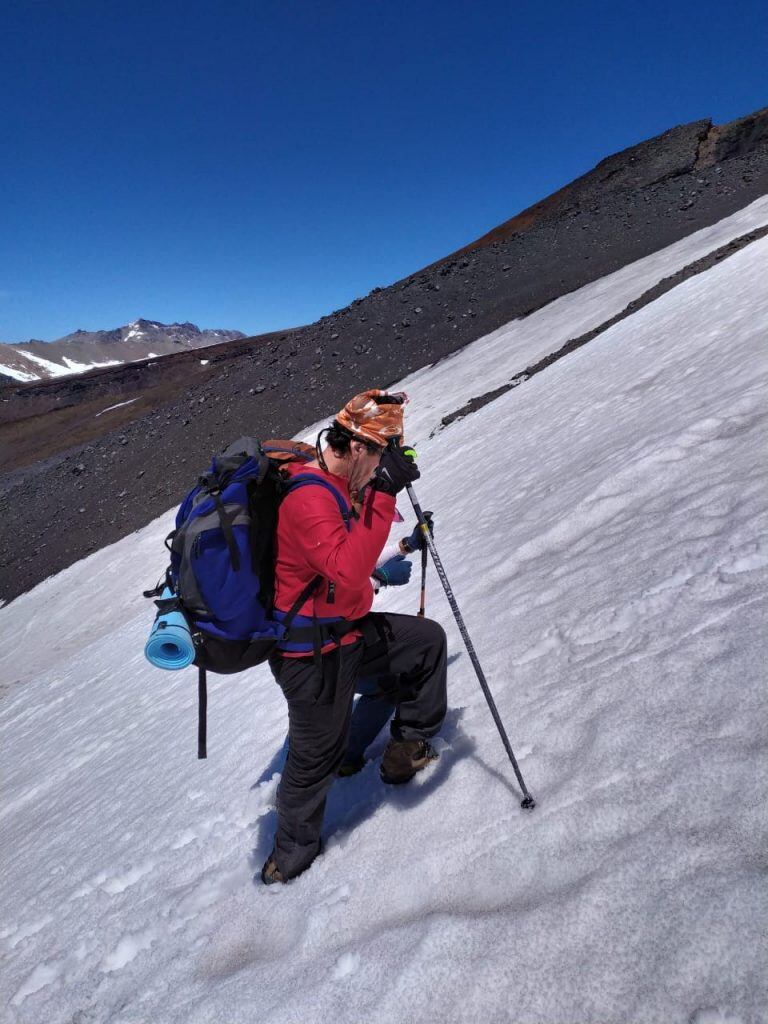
221, 573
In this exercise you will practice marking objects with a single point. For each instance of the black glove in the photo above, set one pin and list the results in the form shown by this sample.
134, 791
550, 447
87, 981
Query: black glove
416, 539
395, 470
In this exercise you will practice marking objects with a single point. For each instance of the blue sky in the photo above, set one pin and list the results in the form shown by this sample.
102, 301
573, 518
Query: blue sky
256, 165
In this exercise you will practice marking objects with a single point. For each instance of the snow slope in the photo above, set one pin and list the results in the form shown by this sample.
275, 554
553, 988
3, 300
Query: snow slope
16, 374
492, 360
50, 368
604, 527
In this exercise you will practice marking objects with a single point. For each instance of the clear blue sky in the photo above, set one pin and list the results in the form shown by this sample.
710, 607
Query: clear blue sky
256, 165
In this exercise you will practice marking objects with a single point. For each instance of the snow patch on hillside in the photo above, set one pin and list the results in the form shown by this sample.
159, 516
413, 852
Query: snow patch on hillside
17, 374
54, 369
493, 359
119, 405
73, 366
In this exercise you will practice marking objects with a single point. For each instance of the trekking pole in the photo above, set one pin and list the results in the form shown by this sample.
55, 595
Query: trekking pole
424, 553
528, 803
423, 603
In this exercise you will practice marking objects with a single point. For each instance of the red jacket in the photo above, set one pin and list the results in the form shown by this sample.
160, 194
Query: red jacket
312, 540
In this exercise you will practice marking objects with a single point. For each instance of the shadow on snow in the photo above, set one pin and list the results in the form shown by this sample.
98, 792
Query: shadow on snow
352, 800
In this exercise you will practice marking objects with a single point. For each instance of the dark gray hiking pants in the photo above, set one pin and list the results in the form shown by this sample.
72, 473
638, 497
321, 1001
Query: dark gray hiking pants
375, 704
319, 711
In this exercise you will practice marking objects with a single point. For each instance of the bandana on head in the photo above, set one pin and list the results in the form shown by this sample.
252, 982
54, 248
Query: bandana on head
374, 416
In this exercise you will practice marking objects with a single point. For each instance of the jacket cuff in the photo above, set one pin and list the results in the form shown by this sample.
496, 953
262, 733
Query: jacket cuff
383, 504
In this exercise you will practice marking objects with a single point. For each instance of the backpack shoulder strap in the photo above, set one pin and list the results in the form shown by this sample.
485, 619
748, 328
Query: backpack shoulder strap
306, 480
312, 479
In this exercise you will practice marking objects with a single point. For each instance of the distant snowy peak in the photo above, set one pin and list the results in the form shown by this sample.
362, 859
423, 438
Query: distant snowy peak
85, 350
187, 334
152, 332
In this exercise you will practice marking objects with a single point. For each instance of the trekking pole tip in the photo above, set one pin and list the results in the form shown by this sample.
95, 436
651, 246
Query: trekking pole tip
528, 803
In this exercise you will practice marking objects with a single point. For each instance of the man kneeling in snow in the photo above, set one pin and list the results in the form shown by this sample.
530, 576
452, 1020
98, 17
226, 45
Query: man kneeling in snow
326, 553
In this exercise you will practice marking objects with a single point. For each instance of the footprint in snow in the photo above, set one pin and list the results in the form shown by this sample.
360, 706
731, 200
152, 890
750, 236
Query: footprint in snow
339, 894
127, 949
747, 558
346, 965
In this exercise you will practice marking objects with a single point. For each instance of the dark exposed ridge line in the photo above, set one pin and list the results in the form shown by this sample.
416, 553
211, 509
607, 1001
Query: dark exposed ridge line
576, 194
665, 285
705, 134
705, 139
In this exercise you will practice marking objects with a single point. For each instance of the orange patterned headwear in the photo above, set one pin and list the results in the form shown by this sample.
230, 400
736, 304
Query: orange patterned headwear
374, 415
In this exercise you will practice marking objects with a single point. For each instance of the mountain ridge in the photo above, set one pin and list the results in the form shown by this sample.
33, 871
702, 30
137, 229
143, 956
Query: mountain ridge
713, 144
82, 350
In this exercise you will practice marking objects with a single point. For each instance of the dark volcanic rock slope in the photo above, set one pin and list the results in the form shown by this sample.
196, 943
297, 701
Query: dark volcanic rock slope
71, 501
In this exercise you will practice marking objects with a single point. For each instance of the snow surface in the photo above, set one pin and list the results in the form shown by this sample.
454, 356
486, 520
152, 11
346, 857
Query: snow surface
54, 369
75, 367
492, 360
18, 374
604, 527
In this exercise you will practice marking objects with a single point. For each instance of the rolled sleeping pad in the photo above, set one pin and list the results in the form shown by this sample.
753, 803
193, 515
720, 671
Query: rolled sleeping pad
170, 642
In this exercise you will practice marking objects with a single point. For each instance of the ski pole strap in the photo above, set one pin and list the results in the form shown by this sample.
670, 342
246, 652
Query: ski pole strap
202, 713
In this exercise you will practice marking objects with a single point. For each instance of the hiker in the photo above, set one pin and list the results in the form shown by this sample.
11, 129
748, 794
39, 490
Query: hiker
324, 560
376, 696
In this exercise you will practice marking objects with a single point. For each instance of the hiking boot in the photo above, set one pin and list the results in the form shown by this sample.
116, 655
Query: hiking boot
403, 758
270, 874
351, 766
